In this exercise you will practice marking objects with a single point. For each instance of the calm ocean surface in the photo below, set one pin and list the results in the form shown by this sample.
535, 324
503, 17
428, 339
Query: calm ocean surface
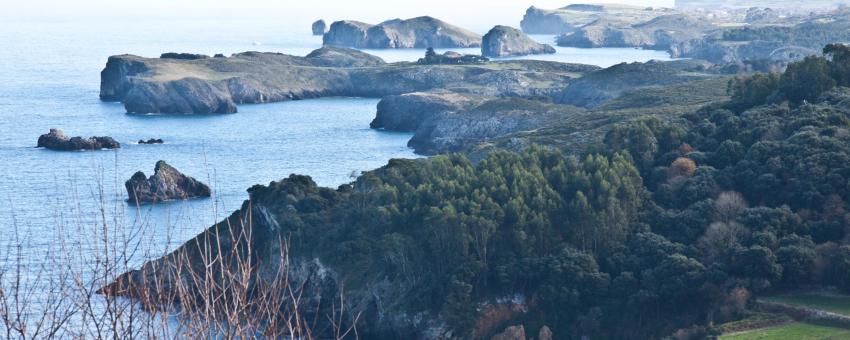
49, 77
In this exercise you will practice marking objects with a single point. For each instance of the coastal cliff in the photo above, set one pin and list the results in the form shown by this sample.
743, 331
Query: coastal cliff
218, 85
504, 41
420, 32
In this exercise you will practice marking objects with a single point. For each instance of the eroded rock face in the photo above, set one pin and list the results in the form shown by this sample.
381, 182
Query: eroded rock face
661, 33
183, 56
511, 333
408, 111
217, 85
319, 27
541, 21
465, 129
545, 333
187, 95
504, 41
342, 57
166, 184
421, 32
56, 140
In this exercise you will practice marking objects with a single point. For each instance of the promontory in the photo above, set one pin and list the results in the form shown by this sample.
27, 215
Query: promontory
420, 32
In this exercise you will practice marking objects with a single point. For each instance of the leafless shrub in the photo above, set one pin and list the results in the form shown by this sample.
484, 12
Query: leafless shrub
218, 294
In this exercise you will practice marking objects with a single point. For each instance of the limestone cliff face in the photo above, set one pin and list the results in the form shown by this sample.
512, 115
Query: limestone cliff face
463, 130
217, 85
421, 32
504, 41
115, 77
541, 21
660, 33
575, 16
408, 111
449, 122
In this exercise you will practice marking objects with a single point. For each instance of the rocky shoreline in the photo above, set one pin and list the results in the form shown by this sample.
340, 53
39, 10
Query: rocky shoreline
448, 107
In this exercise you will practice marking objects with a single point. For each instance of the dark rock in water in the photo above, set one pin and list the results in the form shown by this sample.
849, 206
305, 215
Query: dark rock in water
151, 141
504, 41
166, 184
183, 56
319, 27
219, 55
421, 32
56, 140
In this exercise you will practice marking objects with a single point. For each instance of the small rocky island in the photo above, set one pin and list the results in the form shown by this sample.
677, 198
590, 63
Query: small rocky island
57, 140
166, 184
420, 32
151, 141
504, 41
748, 36
319, 27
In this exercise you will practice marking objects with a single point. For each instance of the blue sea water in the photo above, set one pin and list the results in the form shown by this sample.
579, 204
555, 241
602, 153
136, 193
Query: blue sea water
49, 78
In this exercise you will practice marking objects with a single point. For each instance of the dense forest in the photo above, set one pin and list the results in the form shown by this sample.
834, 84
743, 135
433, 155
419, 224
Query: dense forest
664, 226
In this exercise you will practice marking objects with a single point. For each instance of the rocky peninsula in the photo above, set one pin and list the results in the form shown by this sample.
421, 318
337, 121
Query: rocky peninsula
504, 41
164, 185
217, 85
420, 32
449, 107
57, 140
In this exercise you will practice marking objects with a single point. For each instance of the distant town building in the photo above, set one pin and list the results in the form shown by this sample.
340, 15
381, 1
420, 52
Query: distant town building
715, 4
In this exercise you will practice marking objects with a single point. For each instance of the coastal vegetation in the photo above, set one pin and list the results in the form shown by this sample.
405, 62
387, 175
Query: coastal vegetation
717, 207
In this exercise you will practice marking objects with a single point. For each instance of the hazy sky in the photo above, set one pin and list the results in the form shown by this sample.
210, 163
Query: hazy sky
461, 11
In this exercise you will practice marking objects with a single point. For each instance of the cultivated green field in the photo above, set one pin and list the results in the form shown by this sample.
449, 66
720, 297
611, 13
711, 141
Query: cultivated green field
792, 331
839, 304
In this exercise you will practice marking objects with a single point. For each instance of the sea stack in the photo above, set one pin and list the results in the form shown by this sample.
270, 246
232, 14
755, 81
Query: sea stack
56, 140
504, 41
166, 184
319, 27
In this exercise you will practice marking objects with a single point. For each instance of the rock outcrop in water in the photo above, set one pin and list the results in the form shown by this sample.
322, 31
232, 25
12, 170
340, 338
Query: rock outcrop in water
504, 41
319, 27
165, 184
56, 140
421, 32
217, 85
151, 141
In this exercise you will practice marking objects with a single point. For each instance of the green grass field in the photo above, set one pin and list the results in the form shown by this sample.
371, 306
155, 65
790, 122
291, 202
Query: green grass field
792, 331
839, 304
